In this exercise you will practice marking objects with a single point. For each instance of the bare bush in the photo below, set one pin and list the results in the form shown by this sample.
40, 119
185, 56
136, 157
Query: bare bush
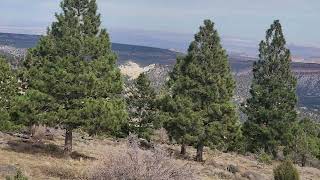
133, 163
40, 133
161, 136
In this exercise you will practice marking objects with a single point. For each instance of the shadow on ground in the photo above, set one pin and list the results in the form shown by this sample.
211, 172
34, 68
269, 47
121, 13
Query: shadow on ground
44, 149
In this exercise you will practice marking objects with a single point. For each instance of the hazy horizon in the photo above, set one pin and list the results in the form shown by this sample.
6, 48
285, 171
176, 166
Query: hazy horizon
171, 24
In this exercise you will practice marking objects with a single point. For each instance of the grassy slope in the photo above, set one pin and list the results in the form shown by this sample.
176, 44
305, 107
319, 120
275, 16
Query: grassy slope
46, 161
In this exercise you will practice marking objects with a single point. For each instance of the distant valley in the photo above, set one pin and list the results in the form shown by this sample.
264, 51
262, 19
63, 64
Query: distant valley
16, 45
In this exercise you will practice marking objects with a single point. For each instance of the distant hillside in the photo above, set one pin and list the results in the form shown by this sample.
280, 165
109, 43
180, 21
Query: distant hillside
17, 43
180, 41
308, 89
306, 54
18, 40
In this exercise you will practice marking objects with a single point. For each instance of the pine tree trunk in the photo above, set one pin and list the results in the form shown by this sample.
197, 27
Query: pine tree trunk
303, 160
199, 156
68, 142
183, 149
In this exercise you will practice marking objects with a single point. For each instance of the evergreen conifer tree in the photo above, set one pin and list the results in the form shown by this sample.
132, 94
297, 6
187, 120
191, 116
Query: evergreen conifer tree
8, 90
271, 107
204, 79
182, 123
32, 108
141, 104
75, 66
305, 144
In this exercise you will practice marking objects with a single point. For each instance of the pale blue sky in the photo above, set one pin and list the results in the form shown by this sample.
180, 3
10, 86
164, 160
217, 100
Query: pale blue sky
165, 19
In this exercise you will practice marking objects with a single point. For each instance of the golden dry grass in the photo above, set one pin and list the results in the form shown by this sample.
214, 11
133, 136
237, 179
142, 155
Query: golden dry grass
47, 161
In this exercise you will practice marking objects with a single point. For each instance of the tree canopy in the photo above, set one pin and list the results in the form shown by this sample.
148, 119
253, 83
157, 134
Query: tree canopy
75, 67
8, 90
142, 108
203, 79
271, 107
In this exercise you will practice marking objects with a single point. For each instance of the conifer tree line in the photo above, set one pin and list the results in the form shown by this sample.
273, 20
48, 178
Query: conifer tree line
70, 80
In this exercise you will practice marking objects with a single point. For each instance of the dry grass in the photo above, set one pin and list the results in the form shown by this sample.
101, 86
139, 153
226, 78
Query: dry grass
44, 161
39, 161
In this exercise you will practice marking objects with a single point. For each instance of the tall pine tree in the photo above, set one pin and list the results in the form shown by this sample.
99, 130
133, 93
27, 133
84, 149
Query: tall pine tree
75, 66
204, 79
271, 107
141, 105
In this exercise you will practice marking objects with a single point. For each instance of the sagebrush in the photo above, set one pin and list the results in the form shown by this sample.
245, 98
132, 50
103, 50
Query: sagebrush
133, 163
286, 171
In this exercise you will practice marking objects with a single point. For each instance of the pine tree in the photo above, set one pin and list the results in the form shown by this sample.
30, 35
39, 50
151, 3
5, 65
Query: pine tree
182, 123
75, 66
204, 78
32, 108
271, 107
305, 144
8, 90
141, 105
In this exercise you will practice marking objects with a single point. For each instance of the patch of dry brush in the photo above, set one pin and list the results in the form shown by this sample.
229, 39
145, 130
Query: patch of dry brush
133, 163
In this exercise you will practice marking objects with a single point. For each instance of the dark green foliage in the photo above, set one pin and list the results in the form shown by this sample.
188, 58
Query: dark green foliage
8, 84
8, 90
286, 171
5, 123
305, 144
32, 108
271, 107
203, 80
104, 116
141, 104
181, 122
74, 68
18, 176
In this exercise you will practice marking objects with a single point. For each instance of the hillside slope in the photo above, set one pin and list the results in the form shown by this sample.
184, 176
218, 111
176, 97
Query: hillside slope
45, 159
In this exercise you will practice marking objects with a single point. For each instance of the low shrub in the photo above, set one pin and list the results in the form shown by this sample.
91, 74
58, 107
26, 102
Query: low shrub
264, 158
160, 136
286, 171
19, 176
134, 163
38, 133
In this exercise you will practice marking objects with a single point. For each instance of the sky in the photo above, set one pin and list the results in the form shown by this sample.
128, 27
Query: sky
157, 22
